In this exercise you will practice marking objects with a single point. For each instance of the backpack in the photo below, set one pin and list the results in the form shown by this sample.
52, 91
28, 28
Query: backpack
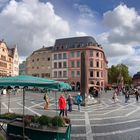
78, 99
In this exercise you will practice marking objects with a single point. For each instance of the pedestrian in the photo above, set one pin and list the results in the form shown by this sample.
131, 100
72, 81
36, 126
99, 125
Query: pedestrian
79, 100
70, 102
62, 106
114, 97
126, 96
46, 98
137, 95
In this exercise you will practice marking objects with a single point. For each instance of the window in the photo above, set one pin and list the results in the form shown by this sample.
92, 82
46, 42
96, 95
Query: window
72, 64
37, 59
33, 60
97, 73
101, 64
72, 54
59, 73
72, 74
3, 57
98, 83
64, 64
55, 56
60, 56
91, 63
91, 73
91, 53
32, 67
101, 74
64, 73
102, 83
97, 64
59, 65
55, 74
48, 58
37, 67
78, 54
101, 55
78, 73
97, 54
64, 56
55, 65
78, 64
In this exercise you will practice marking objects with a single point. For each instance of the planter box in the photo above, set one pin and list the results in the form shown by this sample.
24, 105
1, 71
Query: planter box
60, 133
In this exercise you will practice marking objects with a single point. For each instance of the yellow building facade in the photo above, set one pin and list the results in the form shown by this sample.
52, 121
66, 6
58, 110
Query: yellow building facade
39, 63
7, 60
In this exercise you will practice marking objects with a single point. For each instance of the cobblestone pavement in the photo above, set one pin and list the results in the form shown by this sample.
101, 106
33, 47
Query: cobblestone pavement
104, 121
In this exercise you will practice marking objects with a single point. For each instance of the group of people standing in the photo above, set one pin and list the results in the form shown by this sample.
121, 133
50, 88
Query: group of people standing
126, 94
63, 103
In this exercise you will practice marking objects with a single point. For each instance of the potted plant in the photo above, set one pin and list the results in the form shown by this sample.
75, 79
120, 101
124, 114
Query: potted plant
45, 121
58, 122
43, 127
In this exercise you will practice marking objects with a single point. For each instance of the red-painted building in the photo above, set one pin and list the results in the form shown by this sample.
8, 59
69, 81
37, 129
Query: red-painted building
66, 61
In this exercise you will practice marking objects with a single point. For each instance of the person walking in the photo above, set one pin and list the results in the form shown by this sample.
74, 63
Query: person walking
79, 100
126, 96
62, 106
115, 96
46, 98
70, 102
137, 95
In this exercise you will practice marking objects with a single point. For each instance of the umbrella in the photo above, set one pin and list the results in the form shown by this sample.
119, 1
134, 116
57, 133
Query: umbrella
24, 81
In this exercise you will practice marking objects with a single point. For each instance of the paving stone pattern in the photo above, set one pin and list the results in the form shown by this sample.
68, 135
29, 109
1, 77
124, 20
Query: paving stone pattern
104, 121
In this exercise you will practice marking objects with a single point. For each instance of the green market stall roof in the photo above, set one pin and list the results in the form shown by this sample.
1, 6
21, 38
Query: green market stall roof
25, 80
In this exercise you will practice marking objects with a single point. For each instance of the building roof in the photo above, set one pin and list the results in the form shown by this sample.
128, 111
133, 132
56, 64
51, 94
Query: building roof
44, 49
137, 75
75, 42
11, 51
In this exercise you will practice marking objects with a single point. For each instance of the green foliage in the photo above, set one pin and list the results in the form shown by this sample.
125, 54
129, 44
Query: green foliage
115, 71
10, 116
35, 119
58, 121
44, 120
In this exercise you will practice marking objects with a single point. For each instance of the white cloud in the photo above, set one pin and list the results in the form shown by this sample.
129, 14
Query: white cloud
118, 50
81, 33
31, 24
133, 63
123, 24
84, 10
86, 18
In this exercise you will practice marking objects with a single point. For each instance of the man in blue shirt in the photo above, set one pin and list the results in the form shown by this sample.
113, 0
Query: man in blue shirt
79, 100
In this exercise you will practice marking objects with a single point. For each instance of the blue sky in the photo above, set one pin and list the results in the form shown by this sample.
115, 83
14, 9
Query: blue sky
114, 24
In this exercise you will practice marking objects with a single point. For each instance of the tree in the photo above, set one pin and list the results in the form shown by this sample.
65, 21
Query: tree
115, 71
